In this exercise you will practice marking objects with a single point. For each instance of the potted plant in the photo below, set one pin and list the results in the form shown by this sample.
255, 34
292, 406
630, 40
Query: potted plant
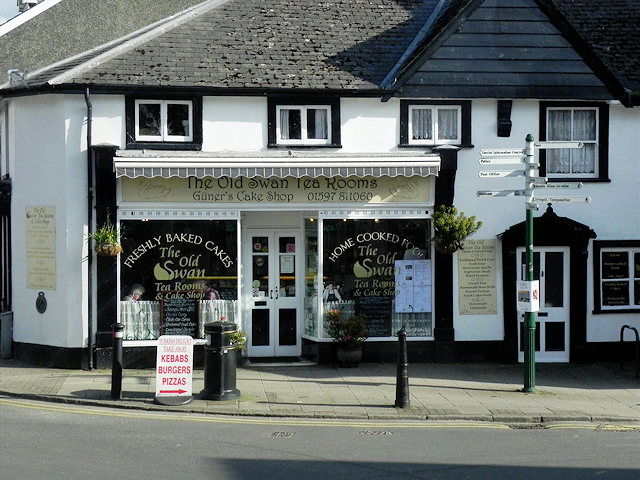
451, 228
238, 340
349, 334
107, 240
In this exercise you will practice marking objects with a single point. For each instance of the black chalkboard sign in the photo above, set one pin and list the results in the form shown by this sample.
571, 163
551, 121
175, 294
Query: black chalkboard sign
180, 316
378, 313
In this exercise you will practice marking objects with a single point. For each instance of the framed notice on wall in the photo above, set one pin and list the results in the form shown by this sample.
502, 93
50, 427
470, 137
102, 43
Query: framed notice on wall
40, 224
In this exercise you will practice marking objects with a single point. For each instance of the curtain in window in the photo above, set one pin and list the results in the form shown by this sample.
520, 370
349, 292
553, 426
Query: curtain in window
572, 125
447, 124
584, 129
317, 123
284, 124
421, 121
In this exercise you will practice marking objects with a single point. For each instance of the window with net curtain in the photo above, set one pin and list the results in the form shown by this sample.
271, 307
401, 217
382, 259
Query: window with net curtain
303, 125
434, 125
573, 124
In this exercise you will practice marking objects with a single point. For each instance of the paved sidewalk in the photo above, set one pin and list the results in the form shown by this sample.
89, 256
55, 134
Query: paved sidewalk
478, 392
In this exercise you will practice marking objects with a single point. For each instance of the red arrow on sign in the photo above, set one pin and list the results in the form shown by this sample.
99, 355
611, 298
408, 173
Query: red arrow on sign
179, 392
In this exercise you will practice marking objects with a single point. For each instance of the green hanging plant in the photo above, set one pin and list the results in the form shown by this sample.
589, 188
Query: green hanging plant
451, 228
106, 239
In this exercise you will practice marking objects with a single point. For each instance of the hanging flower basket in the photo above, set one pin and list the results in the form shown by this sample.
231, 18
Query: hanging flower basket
108, 250
107, 240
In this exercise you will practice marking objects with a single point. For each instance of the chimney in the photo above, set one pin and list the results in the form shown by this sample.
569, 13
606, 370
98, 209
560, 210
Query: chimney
24, 5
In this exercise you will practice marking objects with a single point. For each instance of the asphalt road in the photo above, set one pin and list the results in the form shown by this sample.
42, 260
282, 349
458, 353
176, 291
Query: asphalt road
57, 441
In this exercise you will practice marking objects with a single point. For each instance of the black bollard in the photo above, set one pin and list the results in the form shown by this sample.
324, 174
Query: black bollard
116, 370
219, 363
402, 379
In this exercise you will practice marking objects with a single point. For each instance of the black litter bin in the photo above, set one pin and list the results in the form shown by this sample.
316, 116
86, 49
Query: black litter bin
219, 363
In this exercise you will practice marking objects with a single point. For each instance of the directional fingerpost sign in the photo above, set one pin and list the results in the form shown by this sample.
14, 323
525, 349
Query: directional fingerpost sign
174, 370
522, 164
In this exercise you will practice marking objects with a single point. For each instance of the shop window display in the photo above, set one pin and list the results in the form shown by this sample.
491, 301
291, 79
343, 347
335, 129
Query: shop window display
381, 269
184, 272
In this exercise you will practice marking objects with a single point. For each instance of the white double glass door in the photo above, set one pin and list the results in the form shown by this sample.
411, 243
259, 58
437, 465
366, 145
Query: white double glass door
273, 292
551, 268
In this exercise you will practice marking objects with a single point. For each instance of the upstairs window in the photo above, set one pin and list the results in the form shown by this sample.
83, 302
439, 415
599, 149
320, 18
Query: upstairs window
303, 125
160, 123
164, 120
586, 123
433, 123
303, 121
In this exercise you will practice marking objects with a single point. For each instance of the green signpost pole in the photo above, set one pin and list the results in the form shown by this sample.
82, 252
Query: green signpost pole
529, 317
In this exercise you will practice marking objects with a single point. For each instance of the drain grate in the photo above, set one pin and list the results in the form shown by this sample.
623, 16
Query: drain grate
282, 434
375, 432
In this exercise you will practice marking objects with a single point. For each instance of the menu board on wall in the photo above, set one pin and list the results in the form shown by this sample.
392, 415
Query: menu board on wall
41, 247
615, 293
180, 316
477, 290
378, 313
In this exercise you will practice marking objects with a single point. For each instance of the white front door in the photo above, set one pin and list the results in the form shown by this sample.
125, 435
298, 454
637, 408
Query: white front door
551, 268
273, 286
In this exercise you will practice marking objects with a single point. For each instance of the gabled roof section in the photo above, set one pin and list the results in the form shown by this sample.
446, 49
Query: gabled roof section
501, 49
56, 30
256, 44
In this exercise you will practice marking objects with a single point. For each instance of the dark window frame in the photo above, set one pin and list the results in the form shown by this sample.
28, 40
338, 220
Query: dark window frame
133, 144
275, 101
598, 245
465, 121
603, 140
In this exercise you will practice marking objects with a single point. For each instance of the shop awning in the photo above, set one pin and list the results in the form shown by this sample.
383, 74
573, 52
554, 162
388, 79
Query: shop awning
148, 164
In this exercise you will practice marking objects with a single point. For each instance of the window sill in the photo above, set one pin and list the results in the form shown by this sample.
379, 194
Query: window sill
301, 147
164, 146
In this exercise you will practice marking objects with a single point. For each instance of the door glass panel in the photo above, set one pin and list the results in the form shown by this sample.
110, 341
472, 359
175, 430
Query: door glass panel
287, 327
260, 280
554, 336
287, 267
554, 279
259, 327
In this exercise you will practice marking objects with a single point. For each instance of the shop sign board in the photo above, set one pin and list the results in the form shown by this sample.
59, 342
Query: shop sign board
174, 370
306, 190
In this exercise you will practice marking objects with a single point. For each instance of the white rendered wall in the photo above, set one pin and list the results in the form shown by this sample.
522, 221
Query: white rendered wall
49, 168
234, 124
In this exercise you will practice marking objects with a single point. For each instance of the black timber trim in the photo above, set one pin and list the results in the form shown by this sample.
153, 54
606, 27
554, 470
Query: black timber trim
104, 188
465, 125
603, 139
274, 100
130, 114
598, 245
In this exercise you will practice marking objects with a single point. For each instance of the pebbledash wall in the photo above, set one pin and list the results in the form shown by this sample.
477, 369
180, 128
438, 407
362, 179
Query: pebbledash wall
51, 257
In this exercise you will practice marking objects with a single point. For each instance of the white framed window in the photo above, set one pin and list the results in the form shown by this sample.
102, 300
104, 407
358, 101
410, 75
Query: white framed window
164, 120
567, 124
303, 124
435, 124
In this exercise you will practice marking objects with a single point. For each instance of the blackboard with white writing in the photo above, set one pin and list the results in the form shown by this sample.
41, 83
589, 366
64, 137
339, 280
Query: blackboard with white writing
378, 313
180, 316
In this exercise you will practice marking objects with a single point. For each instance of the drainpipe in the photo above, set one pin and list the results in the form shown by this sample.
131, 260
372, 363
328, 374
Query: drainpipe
89, 224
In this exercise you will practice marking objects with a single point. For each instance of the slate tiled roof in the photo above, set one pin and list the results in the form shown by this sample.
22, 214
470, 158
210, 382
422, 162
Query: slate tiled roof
74, 26
612, 30
464, 49
279, 44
